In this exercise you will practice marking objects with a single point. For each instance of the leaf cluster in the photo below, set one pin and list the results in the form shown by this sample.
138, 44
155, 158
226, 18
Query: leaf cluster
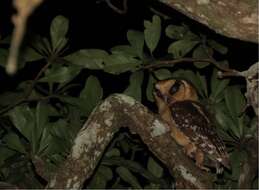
40, 118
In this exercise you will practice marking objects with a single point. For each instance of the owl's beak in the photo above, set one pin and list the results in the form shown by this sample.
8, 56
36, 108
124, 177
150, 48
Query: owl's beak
157, 93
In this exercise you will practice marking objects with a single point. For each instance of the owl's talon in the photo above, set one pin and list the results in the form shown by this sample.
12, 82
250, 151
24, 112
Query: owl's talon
189, 149
203, 167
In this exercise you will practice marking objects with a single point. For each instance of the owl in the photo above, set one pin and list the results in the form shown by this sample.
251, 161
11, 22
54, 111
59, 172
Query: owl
191, 125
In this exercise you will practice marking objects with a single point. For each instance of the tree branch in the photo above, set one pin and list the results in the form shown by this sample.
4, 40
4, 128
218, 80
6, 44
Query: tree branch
171, 63
24, 9
252, 84
240, 17
123, 111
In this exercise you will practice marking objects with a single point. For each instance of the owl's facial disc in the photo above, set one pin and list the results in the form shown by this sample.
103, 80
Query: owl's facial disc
158, 92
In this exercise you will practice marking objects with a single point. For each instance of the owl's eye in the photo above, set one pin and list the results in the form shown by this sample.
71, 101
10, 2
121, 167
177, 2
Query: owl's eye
175, 87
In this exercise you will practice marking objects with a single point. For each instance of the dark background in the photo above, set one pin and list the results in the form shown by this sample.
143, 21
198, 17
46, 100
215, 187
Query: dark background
94, 25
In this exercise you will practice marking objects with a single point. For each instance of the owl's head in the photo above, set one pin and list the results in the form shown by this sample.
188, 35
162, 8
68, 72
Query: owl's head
173, 90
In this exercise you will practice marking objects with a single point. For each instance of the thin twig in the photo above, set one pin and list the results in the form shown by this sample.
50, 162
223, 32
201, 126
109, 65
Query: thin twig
171, 63
30, 89
228, 74
124, 9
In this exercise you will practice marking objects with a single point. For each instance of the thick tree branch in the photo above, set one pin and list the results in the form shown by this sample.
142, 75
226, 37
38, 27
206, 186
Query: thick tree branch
252, 84
232, 18
122, 111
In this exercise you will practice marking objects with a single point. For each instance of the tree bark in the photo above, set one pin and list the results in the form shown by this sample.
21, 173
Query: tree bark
232, 18
123, 111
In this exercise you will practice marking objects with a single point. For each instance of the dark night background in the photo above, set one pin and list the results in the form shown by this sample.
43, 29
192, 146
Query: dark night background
94, 25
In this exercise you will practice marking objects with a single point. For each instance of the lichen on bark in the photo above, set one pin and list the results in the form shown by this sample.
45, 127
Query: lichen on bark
123, 111
240, 16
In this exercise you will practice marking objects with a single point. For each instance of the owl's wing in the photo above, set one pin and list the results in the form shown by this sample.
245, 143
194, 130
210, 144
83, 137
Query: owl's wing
194, 121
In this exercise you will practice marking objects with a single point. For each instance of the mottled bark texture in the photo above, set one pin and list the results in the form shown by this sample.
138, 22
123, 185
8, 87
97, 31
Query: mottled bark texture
232, 18
123, 111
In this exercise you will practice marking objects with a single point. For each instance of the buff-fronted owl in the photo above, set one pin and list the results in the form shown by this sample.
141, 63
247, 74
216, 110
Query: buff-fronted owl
191, 125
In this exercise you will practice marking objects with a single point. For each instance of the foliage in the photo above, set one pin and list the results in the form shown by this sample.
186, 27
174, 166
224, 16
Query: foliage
40, 118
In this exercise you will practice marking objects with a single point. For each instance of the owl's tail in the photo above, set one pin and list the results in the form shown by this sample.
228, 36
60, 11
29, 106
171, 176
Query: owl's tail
225, 162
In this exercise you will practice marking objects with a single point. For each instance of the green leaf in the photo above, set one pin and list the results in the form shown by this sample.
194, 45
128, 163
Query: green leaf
7, 97
113, 152
24, 120
61, 44
41, 44
125, 146
42, 113
128, 177
59, 129
13, 142
74, 119
106, 172
154, 167
119, 63
241, 124
136, 40
30, 55
46, 45
132, 166
74, 101
162, 74
152, 32
5, 154
224, 119
181, 47
45, 140
236, 158
124, 50
175, 32
201, 53
98, 182
218, 47
88, 58
100, 179
235, 101
134, 88
61, 74
58, 31
202, 87
191, 36
150, 88
92, 93
217, 86
61, 139
3, 57
153, 186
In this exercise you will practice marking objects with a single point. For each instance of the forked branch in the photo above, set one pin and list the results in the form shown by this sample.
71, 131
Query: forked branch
123, 111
